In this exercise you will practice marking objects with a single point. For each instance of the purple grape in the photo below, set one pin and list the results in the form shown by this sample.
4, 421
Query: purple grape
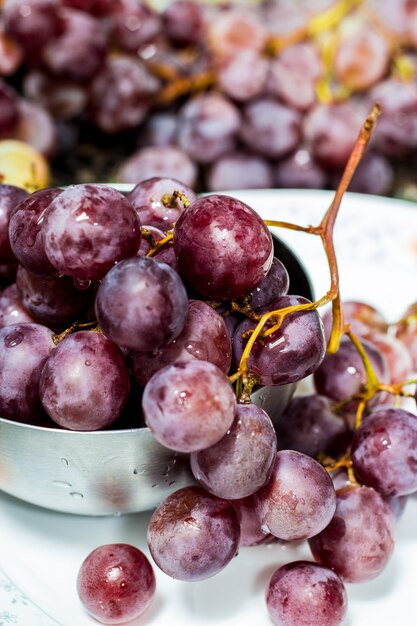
134, 24
396, 354
240, 463
155, 204
342, 375
330, 131
243, 76
10, 196
374, 175
148, 241
270, 128
9, 110
116, 583
12, 310
235, 29
96, 7
363, 318
289, 354
251, 533
32, 23
189, 405
203, 337
159, 129
36, 128
207, 127
88, 228
79, 51
359, 540
24, 349
239, 170
309, 425
61, 98
121, 93
299, 499
162, 161
300, 171
141, 304
223, 247
397, 505
303, 593
85, 382
361, 59
183, 23
51, 301
166, 255
25, 232
397, 126
384, 452
193, 535
273, 286
294, 74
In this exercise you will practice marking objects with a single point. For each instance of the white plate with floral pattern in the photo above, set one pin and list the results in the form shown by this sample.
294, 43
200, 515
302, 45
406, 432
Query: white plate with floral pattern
41, 550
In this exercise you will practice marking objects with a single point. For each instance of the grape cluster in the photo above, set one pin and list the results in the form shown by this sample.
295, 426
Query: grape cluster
141, 309
219, 96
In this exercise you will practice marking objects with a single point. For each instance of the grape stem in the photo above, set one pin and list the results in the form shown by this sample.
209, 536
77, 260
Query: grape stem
325, 231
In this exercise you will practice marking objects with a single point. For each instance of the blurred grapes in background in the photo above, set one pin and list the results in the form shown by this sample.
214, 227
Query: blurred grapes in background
218, 95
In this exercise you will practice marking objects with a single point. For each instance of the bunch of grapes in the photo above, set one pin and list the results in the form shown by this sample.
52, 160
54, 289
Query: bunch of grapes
171, 310
218, 96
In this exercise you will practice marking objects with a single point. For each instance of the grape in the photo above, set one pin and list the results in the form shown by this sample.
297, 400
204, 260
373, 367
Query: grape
293, 76
10, 196
239, 170
270, 128
406, 332
141, 304
189, 405
273, 286
25, 231
36, 127
309, 425
300, 171
147, 242
289, 354
203, 337
32, 23
193, 535
299, 499
363, 318
397, 126
9, 109
342, 375
61, 98
116, 583
233, 30
159, 129
120, 94
207, 127
302, 593
223, 247
374, 175
96, 7
397, 505
397, 356
240, 463
384, 452
359, 540
251, 533
361, 59
88, 228
154, 201
85, 382
331, 130
183, 23
12, 310
51, 301
24, 348
162, 161
79, 51
243, 76
134, 24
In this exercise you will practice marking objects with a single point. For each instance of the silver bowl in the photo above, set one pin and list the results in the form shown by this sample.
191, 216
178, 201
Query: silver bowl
115, 471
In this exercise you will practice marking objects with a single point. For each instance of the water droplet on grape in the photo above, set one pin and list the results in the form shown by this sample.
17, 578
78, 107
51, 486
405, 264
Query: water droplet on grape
88, 363
13, 339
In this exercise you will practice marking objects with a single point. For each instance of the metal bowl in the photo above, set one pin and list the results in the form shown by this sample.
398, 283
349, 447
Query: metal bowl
115, 471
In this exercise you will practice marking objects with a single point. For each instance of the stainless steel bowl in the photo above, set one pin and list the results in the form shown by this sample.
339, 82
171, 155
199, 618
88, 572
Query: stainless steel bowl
115, 471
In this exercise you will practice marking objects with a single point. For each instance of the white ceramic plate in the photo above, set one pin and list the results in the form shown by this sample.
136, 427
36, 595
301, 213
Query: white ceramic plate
41, 551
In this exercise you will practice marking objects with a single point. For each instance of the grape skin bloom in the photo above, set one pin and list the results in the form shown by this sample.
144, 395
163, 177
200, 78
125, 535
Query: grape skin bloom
189, 405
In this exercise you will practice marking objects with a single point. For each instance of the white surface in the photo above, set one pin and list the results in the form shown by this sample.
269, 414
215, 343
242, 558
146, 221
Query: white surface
41, 551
